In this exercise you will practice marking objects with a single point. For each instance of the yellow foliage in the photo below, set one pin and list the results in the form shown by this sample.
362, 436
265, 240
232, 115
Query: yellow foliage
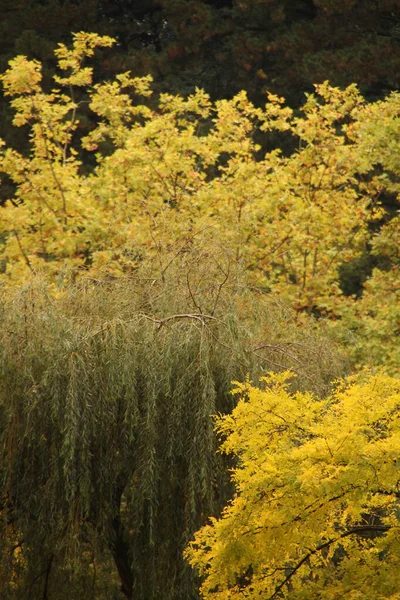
169, 172
316, 511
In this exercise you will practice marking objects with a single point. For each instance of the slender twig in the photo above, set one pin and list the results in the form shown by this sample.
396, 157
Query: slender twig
48, 157
39, 193
169, 263
161, 178
310, 509
276, 348
220, 286
56, 180
353, 531
70, 127
192, 295
26, 258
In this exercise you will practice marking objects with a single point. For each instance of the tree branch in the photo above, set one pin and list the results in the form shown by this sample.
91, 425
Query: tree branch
26, 258
353, 531
196, 316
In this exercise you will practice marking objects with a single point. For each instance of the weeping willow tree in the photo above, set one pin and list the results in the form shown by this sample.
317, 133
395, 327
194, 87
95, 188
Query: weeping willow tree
108, 453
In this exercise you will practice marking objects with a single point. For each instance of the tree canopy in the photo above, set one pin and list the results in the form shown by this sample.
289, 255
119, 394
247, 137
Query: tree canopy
107, 446
221, 46
155, 246
187, 168
316, 510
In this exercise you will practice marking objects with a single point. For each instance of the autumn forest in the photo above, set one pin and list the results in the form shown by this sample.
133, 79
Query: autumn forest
200, 300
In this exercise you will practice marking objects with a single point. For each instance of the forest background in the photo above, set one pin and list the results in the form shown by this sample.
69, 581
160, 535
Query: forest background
235, 213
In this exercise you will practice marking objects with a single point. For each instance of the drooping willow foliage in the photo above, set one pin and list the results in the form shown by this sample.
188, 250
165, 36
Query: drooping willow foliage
108, 454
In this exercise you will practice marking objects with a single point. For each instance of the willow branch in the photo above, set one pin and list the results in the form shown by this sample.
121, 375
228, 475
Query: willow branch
195, 316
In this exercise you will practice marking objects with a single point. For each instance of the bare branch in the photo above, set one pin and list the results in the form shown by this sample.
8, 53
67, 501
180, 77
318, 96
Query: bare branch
192, 295
199, 317
220, 286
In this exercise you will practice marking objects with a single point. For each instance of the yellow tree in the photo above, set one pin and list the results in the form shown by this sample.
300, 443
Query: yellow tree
42, 222
316, 509
182, 168
168, 172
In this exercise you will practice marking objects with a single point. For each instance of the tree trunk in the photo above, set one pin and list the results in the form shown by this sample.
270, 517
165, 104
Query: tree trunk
122, 557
